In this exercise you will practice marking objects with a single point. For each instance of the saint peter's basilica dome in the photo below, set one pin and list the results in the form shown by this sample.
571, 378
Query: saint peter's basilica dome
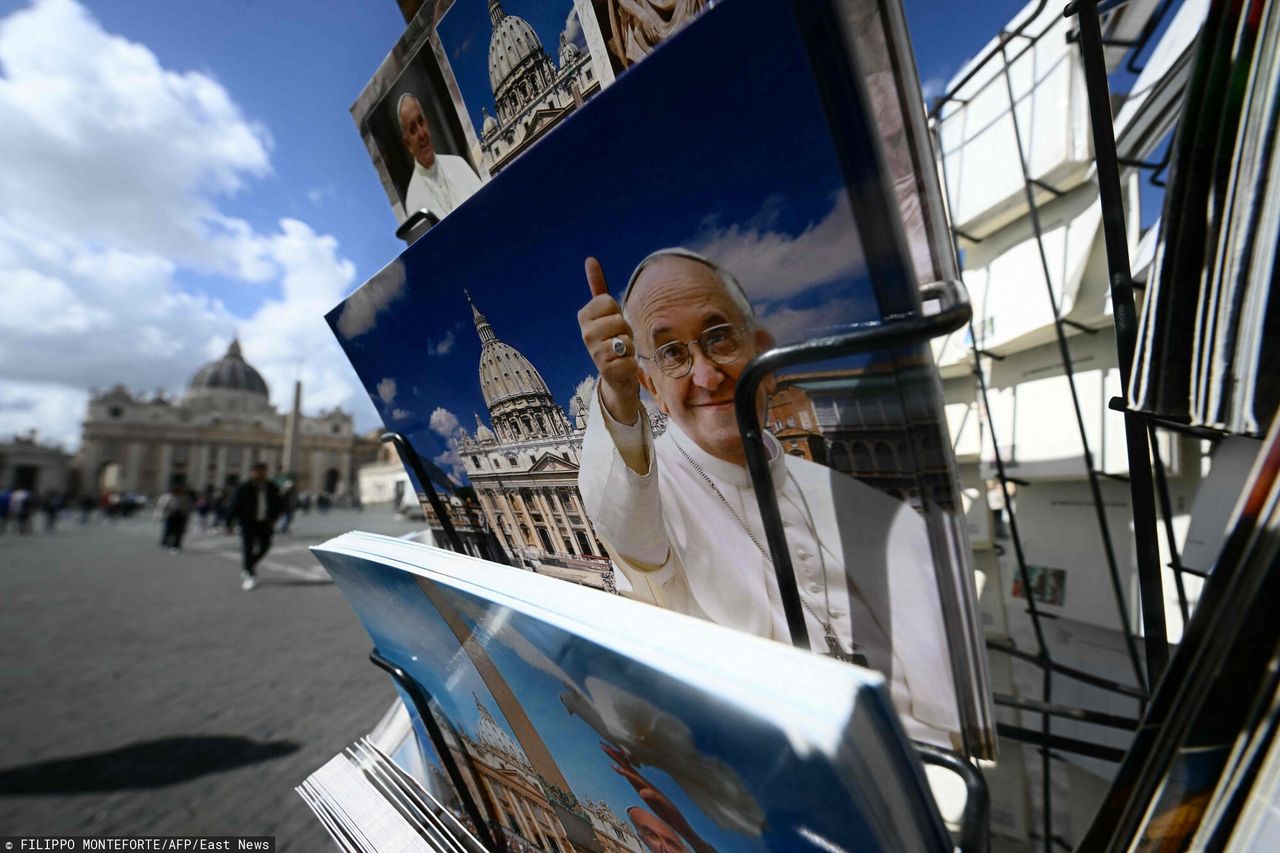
229, 373
513, 42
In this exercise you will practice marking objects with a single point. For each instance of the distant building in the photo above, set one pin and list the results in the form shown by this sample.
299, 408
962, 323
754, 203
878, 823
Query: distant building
855, 422
39, 468
221, 426
531, 95
383, 480
794, 423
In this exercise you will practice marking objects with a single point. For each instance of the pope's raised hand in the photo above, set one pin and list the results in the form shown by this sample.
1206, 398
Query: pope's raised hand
611, 344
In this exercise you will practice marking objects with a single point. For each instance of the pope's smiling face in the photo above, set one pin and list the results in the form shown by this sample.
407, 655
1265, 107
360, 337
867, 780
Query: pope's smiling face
417, 133
677, 299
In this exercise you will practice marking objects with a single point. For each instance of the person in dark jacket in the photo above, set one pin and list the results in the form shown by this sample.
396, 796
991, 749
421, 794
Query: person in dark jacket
175, 507
255, 505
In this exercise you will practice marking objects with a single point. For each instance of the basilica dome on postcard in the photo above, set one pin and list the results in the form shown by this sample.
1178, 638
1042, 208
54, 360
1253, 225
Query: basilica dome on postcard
505, 374
514, 47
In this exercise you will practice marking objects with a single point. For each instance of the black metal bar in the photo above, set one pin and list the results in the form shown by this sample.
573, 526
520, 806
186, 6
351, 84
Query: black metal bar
411, 229
975, 821
1156, 168
1070, 672
1125, 315
969, 237
1046, 732
1117, 404
409, 457
1080, 327
1060, 742
1166, 513
891, 333
1200, 573
1047, 187
1064, 352
1058, 841
1103, 6
1082, 715
421, 700
986, 353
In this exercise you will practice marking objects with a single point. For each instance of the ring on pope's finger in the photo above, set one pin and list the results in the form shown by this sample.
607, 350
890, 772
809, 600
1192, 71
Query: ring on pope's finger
619, 347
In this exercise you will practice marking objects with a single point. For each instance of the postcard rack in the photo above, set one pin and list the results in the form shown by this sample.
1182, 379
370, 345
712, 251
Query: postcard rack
1137, 444
1147, 479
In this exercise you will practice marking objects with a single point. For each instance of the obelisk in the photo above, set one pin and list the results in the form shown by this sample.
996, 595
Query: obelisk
291, 433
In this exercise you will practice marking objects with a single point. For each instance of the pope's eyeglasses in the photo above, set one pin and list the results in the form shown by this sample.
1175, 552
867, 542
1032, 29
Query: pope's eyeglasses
722, 344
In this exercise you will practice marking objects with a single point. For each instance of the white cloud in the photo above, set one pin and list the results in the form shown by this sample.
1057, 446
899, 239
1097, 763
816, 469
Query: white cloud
443, 346
360, 313
387, 391
790, 324
319, 195
931, 88
116, 168
774, 265
400, 414
107, 137
573, 30
288, 336
444, 422
53, 410
451, 462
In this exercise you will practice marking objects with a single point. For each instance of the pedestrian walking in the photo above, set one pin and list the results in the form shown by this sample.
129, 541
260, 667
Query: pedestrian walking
221, 499
256, 506
175, 507
289, 504
21, 507
5, 495
51, 506
204, 506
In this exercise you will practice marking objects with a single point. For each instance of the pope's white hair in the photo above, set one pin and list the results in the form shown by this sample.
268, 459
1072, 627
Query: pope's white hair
732, 287
400, 108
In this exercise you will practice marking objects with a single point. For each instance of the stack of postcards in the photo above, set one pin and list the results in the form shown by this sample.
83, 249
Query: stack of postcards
1209, 340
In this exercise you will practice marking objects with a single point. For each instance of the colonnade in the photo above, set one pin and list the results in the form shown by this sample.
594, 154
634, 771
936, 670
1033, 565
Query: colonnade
517, 514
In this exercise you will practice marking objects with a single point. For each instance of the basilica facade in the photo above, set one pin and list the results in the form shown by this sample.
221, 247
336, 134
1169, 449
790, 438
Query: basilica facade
530, 810
212, 434
531, 94
524, 467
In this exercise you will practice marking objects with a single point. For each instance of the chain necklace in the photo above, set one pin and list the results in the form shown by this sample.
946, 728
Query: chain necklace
834, 649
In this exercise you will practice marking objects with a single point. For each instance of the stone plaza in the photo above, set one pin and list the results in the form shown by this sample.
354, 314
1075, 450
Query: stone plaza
145, 693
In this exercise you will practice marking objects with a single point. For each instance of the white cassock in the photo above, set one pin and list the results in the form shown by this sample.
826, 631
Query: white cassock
448, 183
679, 547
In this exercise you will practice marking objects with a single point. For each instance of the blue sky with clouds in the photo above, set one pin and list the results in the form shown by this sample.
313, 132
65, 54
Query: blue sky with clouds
182, 172
755, 184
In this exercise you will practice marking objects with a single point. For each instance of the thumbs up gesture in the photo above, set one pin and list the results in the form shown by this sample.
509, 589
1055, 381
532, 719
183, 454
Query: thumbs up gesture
611, 344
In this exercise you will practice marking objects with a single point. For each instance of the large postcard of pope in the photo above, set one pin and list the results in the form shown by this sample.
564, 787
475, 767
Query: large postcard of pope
562, 352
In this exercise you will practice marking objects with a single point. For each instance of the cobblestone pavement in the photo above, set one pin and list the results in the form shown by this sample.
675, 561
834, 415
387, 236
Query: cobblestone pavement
143, 692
